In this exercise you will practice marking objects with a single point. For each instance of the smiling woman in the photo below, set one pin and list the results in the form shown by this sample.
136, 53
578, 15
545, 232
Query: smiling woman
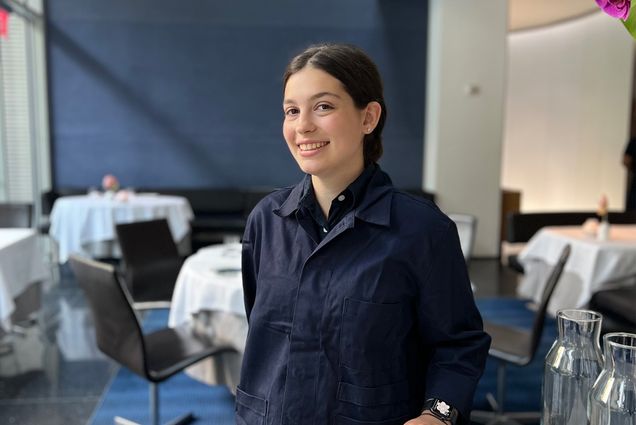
332, 120
325, 130
357, 294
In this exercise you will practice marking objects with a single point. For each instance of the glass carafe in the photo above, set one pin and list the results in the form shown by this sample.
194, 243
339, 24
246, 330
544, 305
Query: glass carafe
613, 396
571, 367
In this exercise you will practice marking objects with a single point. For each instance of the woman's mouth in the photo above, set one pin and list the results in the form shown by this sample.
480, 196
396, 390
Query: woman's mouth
309, 147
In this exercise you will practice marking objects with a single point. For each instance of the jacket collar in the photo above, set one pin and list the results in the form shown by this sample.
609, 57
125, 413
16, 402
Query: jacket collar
375, 206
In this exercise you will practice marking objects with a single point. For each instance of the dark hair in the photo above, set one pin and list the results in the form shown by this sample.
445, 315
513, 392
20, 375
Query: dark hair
359, 76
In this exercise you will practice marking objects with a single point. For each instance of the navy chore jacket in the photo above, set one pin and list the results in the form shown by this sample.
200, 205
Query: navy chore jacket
362, 327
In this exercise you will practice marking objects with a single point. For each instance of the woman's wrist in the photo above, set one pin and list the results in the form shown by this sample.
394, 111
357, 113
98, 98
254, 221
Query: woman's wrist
438, 420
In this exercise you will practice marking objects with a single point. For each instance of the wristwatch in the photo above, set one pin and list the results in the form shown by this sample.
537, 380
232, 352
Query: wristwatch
441, 410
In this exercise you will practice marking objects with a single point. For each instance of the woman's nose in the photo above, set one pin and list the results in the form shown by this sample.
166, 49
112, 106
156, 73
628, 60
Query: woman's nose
305, 123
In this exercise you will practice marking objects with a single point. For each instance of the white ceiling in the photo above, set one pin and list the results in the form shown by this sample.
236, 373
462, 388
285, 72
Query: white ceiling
524, 14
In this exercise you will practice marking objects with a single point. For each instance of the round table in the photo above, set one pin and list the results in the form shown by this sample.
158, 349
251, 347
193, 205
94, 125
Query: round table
209, 295
21, 265
86, 224
591, 266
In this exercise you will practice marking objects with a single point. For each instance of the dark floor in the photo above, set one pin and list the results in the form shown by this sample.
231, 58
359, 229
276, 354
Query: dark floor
55, 375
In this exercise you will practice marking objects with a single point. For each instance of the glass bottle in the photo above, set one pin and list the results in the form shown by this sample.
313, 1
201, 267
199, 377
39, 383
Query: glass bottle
613, 396
571, 367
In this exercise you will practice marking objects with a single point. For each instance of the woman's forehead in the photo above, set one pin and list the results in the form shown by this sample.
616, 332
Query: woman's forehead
310, 82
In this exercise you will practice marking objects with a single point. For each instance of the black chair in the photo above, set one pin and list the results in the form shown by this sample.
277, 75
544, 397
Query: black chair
155, 356
515, 346
616, 304
15, 215
151, 262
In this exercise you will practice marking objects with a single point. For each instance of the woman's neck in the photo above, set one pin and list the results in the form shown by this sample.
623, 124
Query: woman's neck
327, 188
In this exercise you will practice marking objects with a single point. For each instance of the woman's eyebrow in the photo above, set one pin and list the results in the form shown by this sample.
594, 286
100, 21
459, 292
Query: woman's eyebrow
315, 96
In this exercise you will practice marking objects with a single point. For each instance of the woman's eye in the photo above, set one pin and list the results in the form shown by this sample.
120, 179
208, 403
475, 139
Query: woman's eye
323, 107
291, 111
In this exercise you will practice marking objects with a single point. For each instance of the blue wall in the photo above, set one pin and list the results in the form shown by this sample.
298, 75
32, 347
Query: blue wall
187, 93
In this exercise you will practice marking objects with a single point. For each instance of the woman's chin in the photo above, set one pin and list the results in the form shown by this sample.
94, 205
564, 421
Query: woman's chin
308, 167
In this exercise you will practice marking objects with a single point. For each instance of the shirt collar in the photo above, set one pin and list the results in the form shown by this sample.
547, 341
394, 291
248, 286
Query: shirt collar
354, 192
374, 206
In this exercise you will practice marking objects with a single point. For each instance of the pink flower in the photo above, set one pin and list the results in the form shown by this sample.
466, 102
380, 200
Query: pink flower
615, 8
602, 206
110, 182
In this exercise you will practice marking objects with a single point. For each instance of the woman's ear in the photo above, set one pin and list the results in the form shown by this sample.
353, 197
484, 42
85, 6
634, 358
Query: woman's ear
371, 116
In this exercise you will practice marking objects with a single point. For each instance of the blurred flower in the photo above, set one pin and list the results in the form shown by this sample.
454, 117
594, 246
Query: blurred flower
110, 182
615, 8
602, 207
620, 9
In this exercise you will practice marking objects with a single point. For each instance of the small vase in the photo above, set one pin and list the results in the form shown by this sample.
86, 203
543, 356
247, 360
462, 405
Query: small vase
613, 396
571, 367
603, 229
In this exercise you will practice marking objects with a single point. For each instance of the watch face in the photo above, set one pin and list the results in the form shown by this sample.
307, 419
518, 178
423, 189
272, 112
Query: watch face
442, 408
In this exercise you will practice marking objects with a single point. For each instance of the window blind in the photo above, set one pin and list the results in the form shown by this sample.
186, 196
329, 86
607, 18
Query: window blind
16, 121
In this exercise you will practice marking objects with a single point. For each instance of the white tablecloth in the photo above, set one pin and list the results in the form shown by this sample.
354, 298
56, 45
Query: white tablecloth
592, 263
86, 224
21, 264
209, 295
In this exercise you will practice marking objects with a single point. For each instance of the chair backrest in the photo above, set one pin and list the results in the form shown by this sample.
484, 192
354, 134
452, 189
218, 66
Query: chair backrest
627, 217
466, 228
117, 327
252, 196
144, 242
548, 290
15, 215
47, 200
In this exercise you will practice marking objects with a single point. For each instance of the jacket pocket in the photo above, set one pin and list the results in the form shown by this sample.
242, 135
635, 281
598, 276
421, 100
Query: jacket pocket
372, 334
343, 420
250, 410
373, 396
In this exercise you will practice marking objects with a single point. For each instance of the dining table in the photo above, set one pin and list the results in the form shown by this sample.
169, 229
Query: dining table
21, 265
85, 224
593, 264
208, 295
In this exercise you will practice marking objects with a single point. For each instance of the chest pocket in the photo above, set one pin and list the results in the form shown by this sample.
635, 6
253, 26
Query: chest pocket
372, 334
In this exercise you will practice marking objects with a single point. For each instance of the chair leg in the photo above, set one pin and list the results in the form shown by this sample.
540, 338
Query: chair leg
154, 411
182, 420
501, 386
123, 421
154, 404
498, 415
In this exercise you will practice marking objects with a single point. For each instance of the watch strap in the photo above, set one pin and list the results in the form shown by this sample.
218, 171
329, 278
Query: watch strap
441, 410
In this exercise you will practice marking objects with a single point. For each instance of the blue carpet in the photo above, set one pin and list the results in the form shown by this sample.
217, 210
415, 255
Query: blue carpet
523, 383
128, 394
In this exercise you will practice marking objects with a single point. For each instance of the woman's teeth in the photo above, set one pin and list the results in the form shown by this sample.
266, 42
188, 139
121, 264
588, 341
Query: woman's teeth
311, 146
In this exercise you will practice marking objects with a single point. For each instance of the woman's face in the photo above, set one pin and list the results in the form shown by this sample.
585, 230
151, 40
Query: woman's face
323, 127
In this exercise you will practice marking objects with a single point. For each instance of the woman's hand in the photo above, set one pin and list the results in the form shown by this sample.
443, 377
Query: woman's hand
426, 419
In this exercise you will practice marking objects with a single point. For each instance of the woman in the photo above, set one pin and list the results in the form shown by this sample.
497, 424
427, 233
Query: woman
357, 294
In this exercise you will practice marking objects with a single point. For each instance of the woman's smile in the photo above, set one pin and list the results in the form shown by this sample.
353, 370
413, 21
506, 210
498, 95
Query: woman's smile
311, 148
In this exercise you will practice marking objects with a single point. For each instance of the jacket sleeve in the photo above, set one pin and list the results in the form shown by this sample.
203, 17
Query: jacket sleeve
450, 325
249, 267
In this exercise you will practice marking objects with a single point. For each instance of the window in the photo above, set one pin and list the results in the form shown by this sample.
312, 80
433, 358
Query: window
24, 138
